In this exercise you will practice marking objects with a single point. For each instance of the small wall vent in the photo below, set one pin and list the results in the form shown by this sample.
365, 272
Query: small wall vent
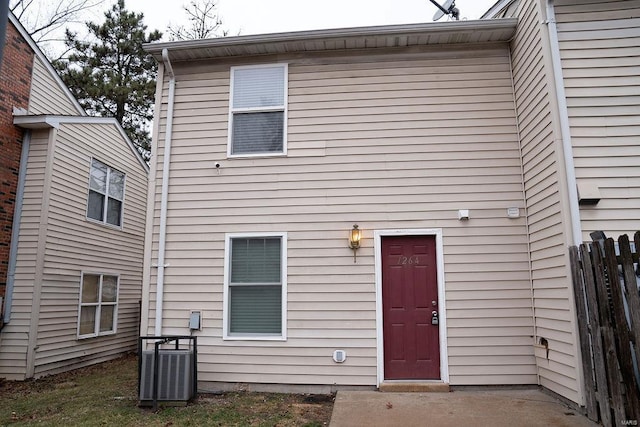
339, 356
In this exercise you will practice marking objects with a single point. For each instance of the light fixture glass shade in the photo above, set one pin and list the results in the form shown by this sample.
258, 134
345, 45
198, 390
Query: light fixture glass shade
354, 238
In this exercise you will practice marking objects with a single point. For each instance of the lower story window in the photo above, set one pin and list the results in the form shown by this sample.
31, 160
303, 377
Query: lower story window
256, 286
98, 305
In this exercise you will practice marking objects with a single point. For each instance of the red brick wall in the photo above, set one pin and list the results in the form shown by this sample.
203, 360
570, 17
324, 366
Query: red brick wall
15, 83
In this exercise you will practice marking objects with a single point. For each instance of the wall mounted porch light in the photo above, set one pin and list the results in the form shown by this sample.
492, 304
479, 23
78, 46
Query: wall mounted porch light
354, 240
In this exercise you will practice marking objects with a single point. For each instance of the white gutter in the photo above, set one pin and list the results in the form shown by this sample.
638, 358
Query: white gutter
165, 193
431, 28
572, 187
15, 230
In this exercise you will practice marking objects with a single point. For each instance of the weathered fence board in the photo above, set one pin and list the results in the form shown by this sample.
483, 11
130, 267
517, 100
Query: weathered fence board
631, 291
620, 325
583, 331
602, 306
602, 389
608, 312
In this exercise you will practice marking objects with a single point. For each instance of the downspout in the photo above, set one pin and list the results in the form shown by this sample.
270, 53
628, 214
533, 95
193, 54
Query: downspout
15, 230
572, 187
165, 193
570, 173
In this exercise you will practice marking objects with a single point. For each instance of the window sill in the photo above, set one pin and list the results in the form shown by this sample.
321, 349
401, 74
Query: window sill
103, 334
255, 155
104, 224
253, 338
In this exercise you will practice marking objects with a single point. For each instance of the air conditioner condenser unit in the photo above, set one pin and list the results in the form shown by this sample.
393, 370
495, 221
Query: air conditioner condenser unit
175, 375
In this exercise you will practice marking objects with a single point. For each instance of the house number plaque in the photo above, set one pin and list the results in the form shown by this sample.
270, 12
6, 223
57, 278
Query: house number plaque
404, 260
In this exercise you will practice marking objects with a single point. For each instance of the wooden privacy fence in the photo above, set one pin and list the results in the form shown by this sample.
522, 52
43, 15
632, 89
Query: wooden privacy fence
605, 281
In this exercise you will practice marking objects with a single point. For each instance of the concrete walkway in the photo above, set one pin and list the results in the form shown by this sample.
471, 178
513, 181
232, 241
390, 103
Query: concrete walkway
459, 408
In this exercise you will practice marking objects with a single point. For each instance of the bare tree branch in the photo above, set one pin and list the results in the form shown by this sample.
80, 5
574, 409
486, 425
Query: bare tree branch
204, 22
42, 17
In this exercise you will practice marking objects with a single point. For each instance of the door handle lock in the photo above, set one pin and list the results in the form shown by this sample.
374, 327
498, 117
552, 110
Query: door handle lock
434, 318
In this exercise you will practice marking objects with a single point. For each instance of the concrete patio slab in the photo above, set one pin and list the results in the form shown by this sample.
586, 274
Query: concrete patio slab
459, 408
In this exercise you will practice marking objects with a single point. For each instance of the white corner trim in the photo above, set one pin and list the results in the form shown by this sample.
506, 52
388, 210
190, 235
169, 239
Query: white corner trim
377, 239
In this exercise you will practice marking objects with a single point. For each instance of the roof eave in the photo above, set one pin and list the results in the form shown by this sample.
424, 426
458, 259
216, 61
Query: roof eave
47, 121
507, 25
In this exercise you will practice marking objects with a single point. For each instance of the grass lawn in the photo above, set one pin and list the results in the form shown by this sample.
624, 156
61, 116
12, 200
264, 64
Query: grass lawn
105, 395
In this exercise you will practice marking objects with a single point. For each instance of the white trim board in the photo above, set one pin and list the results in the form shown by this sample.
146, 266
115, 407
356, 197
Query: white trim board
377, 239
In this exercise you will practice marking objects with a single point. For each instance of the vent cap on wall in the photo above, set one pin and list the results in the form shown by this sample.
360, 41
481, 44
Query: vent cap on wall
339, 356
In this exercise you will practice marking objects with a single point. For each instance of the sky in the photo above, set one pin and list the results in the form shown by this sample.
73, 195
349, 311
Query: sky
273, 16
246, 17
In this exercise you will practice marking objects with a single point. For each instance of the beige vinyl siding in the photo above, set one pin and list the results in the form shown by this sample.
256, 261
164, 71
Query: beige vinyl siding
75, 245
47, 97
388, 141
540, 159
15, 334
600, 51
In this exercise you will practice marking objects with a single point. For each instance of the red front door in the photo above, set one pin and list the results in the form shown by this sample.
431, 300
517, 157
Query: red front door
409, 298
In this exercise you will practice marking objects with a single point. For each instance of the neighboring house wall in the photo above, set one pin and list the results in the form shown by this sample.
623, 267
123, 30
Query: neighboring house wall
396, 140
546, 205
58, 243
47, 96
15, 335
600, 51
75, 245
15, 81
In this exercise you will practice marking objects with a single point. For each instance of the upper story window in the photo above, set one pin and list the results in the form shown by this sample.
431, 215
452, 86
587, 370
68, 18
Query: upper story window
258, 110
106, 194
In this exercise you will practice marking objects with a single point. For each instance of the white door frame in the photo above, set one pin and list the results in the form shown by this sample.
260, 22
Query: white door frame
437, 232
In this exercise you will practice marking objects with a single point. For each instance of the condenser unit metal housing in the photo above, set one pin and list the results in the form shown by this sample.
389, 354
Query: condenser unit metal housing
167, 374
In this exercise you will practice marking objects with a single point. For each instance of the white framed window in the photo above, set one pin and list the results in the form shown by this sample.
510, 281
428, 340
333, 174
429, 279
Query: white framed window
255, 286
258, 111
106, 194
98, 307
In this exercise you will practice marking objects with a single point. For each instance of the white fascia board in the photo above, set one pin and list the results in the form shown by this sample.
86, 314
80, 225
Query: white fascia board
36, 50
